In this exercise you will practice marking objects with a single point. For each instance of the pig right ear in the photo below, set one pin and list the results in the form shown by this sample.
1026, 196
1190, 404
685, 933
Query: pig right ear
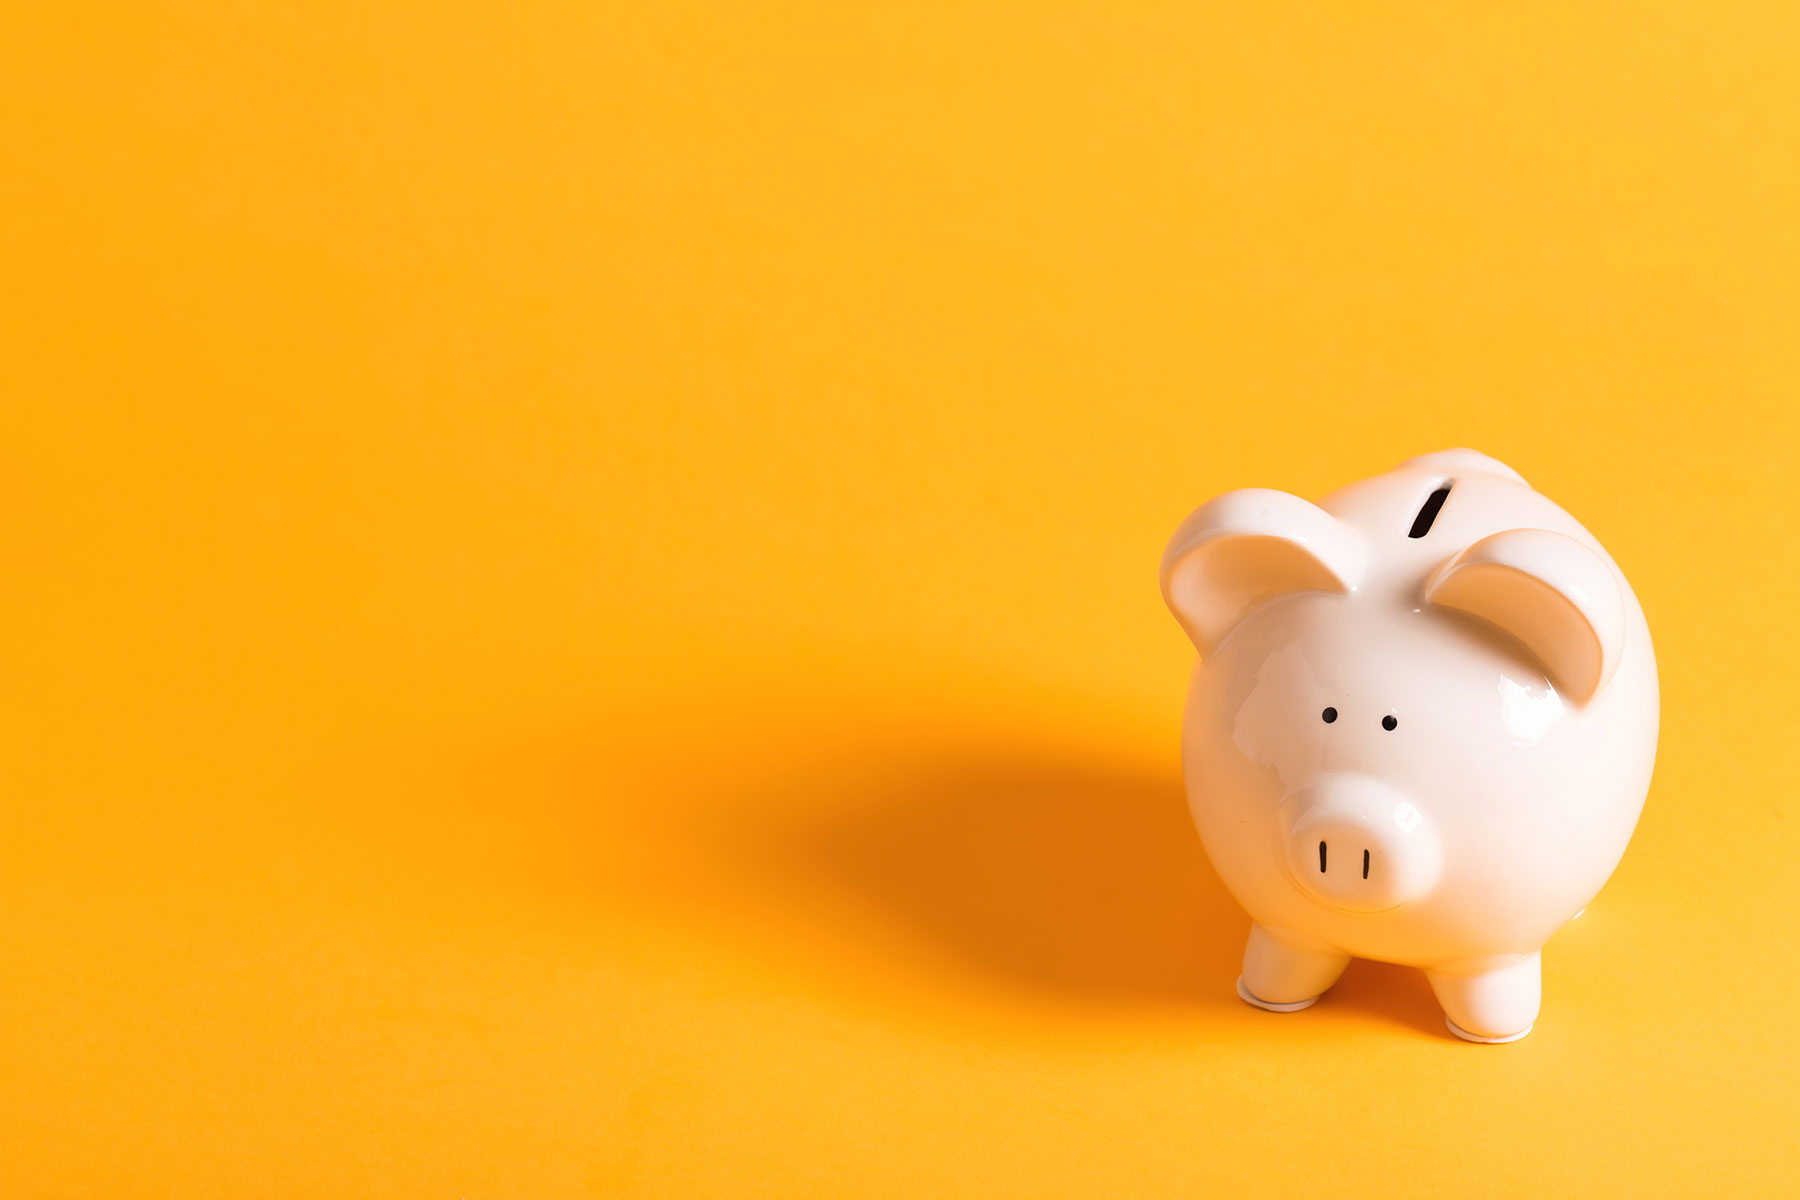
1553, 594
1247, 548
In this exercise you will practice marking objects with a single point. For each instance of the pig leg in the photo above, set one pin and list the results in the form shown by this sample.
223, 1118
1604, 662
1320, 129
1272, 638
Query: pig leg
1492, 999
1284, 972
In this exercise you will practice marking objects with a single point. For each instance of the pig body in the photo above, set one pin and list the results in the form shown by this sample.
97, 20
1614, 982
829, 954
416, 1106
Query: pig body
1421, 729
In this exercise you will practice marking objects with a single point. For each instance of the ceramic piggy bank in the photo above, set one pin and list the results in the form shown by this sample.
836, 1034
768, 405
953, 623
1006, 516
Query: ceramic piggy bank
1420, 731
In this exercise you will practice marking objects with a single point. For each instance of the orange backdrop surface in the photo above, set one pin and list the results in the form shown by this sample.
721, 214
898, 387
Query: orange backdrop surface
580, 609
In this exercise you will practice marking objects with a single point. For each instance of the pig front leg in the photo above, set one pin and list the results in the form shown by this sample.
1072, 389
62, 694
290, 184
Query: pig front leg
1492, 999
1284, 972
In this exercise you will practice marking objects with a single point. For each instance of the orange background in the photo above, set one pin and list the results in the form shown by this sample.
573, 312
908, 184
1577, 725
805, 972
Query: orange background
581, 611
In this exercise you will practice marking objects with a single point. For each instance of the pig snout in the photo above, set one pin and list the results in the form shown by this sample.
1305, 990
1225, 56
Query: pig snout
1356, 844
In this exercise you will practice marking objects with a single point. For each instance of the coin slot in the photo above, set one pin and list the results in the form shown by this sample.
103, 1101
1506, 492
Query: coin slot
1428, 513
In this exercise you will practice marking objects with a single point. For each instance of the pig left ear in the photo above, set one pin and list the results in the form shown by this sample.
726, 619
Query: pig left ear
1249, 548
1550, 592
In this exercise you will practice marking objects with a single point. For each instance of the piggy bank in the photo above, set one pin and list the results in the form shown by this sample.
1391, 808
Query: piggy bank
1421, 728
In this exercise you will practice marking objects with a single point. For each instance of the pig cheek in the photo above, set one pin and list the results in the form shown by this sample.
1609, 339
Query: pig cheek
1272, 710
1253, 735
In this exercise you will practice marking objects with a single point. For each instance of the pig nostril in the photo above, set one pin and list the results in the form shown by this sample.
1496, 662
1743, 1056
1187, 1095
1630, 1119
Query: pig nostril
1321, 858
1365, 864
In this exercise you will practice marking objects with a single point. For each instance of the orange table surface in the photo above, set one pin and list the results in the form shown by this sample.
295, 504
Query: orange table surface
580, 612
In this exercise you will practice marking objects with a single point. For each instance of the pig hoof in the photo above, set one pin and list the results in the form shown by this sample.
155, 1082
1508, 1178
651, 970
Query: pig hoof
1270, 1006
1466, 1036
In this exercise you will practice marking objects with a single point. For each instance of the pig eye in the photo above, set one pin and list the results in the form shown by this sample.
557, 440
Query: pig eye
1330, 715
1390, 723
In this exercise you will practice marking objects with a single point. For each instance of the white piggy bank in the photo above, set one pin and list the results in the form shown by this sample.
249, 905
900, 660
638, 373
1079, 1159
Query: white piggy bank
1421, 729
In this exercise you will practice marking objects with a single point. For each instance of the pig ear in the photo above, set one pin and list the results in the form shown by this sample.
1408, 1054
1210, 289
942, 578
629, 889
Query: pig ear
1244, 549
1550, 592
